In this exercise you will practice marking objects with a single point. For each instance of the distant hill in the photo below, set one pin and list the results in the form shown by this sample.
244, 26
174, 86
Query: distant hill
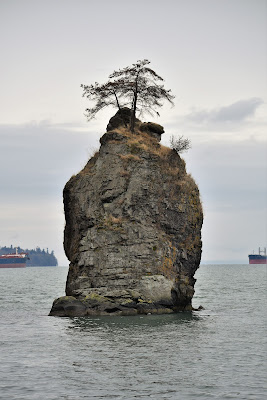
38, 257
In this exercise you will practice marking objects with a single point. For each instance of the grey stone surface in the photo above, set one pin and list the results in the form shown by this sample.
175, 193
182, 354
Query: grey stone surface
133, 230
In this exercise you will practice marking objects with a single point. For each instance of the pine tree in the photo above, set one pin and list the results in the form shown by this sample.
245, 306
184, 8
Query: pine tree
137, 86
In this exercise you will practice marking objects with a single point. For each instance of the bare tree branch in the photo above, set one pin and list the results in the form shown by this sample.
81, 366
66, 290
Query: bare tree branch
180, 145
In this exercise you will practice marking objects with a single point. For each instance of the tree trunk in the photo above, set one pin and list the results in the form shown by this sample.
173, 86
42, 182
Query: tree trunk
117, 101
134, 107
119, 107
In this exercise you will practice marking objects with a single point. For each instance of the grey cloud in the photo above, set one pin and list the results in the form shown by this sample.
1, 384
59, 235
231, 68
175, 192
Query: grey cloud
234, 113
38, 159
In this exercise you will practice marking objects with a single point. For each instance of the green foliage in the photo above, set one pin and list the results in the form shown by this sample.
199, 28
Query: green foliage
38, 257
136, 86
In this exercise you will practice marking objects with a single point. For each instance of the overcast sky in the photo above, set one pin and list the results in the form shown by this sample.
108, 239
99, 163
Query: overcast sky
212, 55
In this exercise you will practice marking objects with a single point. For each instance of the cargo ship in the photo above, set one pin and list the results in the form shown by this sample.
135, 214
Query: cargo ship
260, 258
14, 260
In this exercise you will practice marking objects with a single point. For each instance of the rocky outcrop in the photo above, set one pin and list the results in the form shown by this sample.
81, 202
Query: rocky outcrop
133, 228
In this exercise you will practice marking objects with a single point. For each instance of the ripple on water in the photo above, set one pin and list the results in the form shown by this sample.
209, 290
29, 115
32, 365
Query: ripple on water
218, 353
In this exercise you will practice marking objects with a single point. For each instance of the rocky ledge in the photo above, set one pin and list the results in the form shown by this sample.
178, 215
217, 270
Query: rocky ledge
133, 227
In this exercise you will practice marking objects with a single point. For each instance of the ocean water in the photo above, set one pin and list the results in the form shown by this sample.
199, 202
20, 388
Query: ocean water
216, 353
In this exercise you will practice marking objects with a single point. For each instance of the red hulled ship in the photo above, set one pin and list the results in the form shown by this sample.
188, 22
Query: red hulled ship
260, 258
14, 260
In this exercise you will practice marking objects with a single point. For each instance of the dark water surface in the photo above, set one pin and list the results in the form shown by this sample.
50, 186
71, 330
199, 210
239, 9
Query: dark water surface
217, 353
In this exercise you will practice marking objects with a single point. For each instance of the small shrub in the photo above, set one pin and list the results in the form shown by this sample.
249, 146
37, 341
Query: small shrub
180, 145
87, 169
128, 157
174, 172
112, 223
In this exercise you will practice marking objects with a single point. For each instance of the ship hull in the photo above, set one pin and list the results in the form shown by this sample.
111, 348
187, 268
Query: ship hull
257, 259
12, 262
12, 265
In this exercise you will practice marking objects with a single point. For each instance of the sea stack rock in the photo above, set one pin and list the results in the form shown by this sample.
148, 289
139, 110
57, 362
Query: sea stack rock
133, 227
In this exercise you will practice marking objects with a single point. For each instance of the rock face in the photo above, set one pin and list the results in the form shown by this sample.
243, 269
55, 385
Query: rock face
133, 228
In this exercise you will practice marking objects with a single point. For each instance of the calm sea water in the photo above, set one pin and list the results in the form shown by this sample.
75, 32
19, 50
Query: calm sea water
218, 353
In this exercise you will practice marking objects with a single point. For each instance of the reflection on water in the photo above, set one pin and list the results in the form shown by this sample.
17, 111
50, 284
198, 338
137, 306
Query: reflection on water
132, 322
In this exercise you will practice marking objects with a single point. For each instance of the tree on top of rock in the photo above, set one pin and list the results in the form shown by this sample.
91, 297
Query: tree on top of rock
137, 86
107, 94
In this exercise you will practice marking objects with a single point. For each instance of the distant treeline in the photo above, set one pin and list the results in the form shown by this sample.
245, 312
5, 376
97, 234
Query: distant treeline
38, 257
